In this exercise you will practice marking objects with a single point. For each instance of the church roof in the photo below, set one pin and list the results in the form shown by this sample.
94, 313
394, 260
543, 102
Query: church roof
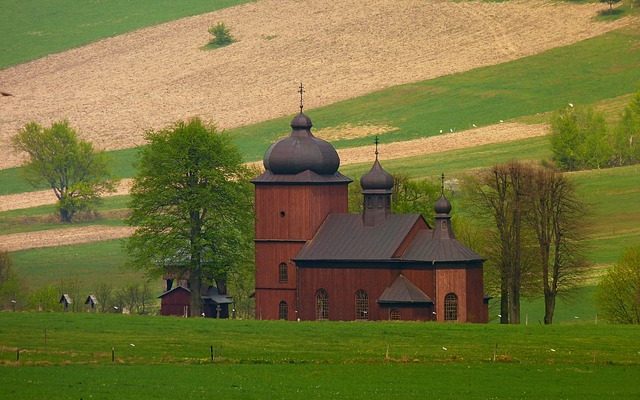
345, 237
402, 290
301, 151
304, 177
428, 247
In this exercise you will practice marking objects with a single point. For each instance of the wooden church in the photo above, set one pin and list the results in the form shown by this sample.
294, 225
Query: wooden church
315, 261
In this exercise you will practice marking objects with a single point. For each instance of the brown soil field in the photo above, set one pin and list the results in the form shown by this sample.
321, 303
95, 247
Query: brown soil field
61, 237
115, 89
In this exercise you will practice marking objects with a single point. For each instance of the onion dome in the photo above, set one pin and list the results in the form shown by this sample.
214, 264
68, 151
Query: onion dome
377, 178
301, 151
442, 206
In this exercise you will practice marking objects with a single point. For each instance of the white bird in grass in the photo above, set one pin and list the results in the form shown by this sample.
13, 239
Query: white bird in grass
474, 125
440, 130
553, 350
444, 348
132, 345
501, 121
571, 105
451, 130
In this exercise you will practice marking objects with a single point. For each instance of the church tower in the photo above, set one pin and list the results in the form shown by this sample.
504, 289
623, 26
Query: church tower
301, 185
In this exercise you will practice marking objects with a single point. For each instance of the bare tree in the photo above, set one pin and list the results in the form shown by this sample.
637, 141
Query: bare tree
556, 216
502, 191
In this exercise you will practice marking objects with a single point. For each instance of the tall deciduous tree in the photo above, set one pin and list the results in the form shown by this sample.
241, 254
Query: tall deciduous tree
502, 191
619, 290
73, 169
556, 216
192, 205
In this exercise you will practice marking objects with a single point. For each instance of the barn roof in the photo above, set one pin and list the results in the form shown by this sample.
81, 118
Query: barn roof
402, 290
177, 288
345, 237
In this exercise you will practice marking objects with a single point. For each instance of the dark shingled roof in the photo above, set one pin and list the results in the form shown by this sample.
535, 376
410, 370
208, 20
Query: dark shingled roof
427, 248
345, 237
213, 295
403, 291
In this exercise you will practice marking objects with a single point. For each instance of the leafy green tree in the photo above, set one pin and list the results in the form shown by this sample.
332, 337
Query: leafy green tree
625, 138
191, 204
619, 290
579, 139
77, 174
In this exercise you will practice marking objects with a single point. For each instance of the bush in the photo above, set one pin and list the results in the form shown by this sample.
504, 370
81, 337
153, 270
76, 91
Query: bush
619, 290
221, 35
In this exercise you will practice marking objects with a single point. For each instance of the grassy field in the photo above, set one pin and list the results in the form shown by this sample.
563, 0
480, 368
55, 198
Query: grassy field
32, 29
89, 264
156, 357
602, 68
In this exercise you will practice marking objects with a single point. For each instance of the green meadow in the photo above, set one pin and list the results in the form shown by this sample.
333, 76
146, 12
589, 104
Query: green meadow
154, 357
35, 28
595, 70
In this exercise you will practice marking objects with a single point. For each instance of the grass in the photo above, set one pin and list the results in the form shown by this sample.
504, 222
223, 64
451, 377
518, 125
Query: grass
89, 264
111, 211
35, 28
587, 72
276, 359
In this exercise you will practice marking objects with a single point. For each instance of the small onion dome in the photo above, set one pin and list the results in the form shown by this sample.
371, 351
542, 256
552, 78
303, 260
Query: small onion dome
442, 206
301, 151
377, 178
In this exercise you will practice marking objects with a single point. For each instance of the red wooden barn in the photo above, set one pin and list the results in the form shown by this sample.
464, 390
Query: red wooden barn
315, 261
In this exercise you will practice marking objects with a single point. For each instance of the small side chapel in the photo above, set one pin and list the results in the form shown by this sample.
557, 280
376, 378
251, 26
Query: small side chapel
316, 261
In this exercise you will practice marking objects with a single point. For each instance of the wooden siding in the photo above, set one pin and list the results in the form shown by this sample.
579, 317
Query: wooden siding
342, 283
477, 310
451, 281
174, 303
268, 303
286, 217
296, 211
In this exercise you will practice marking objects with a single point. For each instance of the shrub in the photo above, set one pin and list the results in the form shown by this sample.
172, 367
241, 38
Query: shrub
221, 35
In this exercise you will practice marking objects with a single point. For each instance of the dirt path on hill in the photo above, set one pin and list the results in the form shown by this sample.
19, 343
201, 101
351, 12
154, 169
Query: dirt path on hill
117, 88
61, 237
475, 137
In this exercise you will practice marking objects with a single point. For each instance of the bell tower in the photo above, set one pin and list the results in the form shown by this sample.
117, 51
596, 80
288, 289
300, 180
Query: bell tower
301, 185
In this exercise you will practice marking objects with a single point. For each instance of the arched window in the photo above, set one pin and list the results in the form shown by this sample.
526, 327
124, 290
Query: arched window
283, 311
450, 307
322, 305
362, 305
283, 273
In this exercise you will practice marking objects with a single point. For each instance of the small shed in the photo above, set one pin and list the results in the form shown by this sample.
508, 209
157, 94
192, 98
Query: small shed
216, 305
91, 302
176, 301
66, 301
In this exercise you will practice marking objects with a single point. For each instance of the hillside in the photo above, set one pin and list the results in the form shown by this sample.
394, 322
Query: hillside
115, 89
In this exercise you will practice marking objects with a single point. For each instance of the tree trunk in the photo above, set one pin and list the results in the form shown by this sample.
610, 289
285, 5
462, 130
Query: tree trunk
196, 287
504, 298
549, 305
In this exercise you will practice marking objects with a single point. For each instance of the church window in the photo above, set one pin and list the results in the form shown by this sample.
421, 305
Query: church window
322, 305
283, 273
283, 310
450, 307
362, 305
394, 314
